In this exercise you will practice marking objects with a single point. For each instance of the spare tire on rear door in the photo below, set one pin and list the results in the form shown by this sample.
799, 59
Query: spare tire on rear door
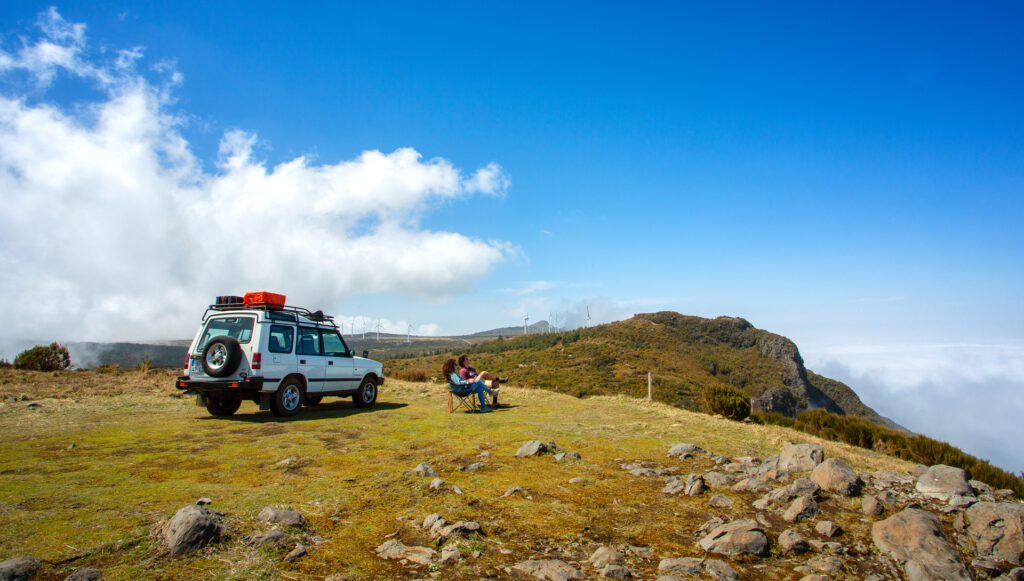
221, 356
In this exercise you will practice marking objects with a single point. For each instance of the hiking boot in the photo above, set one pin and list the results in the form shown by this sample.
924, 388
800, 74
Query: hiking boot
485, 409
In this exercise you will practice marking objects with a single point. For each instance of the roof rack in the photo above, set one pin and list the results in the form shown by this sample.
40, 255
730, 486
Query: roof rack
315, 316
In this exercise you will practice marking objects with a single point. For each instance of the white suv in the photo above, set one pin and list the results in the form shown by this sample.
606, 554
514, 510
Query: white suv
275, 355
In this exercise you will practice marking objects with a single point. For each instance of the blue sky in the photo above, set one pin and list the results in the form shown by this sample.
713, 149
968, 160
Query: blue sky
849, 176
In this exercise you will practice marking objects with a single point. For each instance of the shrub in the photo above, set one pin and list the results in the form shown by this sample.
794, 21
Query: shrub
40, 358
146, 365
412, 374
5, 364
726, 400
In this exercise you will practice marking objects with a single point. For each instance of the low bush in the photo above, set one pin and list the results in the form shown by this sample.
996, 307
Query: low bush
44, 358
412, 374
727, 401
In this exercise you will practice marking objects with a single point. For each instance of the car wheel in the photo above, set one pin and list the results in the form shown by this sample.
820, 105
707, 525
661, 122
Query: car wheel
287, 399
222, 407
314, 399
367, 394
221, 356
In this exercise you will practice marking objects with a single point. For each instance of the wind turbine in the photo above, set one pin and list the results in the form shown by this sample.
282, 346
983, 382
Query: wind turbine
588, 316
378, 330
408, 336
526, 319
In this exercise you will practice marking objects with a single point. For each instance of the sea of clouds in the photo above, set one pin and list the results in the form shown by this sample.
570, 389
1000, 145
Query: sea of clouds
112, 229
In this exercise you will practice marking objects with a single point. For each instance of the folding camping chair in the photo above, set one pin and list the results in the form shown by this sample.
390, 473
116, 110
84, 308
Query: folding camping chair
470, 401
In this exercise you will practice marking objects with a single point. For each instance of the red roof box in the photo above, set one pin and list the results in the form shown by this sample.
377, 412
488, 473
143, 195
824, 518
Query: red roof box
264, 299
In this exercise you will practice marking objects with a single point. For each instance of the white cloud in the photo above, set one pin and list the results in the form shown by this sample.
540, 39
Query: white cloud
111, 229
529, 288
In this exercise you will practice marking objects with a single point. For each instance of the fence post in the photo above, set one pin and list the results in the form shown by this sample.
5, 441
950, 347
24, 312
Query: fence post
649, 386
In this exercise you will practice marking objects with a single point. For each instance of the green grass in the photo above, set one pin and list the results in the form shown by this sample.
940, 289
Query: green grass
141, 452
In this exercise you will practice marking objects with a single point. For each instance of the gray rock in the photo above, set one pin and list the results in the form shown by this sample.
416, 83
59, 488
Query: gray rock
671, 578
85, 574
577, 480
532, 448
718, 479
547, 570
871, 505
685, 450
605, 556
456, 489
673, 486
914, 539
835, 475
204, 501
422, 469
752, 485
802, 508
961, 501
297, 552
720, 571
616, 572
695, 485
473, 467
273, 515
394, 549
19, 569
685, 566
1013, 575
720, 501
275, 538
793, 542
980, 487
432, 518
1005, 494
512, 490
815, 577
997, 529
708, 526
800, 457
450, 554
561, 456
191, 528
647, 472
740, 537
942, 482
828, 529
436, 484
826, 564
462, 528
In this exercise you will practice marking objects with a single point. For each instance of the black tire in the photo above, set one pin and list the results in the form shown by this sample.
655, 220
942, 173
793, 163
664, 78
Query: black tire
314, 399
367, 394
221, 356
221, 407
288, 399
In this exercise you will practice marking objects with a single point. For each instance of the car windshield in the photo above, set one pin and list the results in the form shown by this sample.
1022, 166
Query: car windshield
238, 327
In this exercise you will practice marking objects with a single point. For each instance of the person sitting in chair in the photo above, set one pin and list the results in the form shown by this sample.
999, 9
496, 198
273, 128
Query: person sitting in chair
466, 371
460, 386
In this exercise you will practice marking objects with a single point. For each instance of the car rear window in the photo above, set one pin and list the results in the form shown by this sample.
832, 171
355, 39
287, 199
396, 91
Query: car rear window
238, 327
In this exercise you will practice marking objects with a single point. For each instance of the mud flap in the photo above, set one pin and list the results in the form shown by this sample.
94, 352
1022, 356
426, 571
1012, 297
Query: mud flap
200, 400
265, 400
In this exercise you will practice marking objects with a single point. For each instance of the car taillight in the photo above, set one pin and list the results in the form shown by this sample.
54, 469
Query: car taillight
187, 359
257, 359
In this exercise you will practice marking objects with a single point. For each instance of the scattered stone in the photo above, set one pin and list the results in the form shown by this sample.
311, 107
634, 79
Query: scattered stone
422, 469
802, 508
793, 542
484, 454
980, 487
396, 550
273, 515
709, 526
961, 501
533, 448
287, 461
991, 566
456, 489
559, 457
1005, 494
298, 551
275, 538
548, 570
720, 571
673, 486
685, 566
204, 501
450, 554
85, 574
752, 485
472, 467
871, 505
432, 518
577, 480
815, 577
800, 457
190, 528
718, 479
463, 528
740, 537
436, 484
683, 451
605, 556
616, 572
512, 490
19, 569
997, 529
914, 539
828, 529
942, 482
647, 472
695, 485
1014, 575
835, 475
720, 501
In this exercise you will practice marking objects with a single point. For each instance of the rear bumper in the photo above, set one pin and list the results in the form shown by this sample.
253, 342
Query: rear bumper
248, 386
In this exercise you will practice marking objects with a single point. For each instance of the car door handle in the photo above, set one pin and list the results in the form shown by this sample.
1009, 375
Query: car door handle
330, 363
302, 361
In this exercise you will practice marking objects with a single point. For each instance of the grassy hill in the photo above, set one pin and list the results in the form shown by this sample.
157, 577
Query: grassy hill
683, 354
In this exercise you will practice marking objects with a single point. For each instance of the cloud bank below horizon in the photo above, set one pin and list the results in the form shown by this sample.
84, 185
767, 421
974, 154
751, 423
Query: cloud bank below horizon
112, 230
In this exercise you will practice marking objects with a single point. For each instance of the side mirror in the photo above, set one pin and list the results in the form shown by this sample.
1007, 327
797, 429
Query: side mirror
366, 353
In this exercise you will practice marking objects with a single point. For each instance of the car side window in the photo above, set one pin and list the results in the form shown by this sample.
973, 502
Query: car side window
309, 341
281, 338
334, 345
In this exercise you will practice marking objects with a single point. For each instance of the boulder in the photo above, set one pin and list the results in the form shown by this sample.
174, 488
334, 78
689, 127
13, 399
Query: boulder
85, 574
835, 475
294, 554
605, 556
273, 515
191, 528
793, 542
449, 554
19, 569
685, 451
720, 571
718, 479
533, 448
827, 529
547, 570
997, 529
751, 485
674, 485
740, 537
942, 482
871, 505
616, 572
274, 538
430, 519
685, 566
914, 539
396, 550
422, 469
800, 457
462, 528
720, 501
802, 508
828, 564
695, 485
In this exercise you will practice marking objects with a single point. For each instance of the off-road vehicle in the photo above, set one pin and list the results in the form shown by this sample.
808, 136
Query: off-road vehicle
280, 357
